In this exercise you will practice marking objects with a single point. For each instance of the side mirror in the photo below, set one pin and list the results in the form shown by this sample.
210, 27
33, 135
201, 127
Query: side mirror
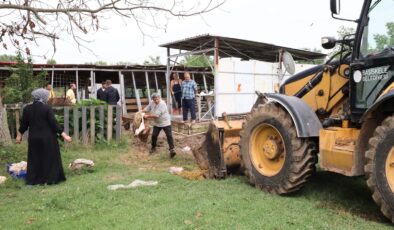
328, 42
335, 6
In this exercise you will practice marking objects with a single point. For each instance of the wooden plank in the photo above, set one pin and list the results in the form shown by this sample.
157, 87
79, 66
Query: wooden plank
101, 110
134, 101
84, 126
76, 125
17, 119
92, 125
109, 123
132, 107
66, 125
118, 123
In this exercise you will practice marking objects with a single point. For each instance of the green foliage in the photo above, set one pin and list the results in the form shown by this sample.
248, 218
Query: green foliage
8, 58
152, 61
92, 101
102, 63
382, 41
51, 61
314, 61
22, 82
12, 154
126, 63
197, 61
329, 201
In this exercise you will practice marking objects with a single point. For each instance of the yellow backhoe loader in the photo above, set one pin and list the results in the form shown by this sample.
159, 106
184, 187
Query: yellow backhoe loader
340, 113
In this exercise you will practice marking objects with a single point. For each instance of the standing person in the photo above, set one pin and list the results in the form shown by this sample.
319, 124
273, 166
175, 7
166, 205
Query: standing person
51, 92
158, 110
44, 163
70, 95
176, 92
189, 90
111, 94
101, 92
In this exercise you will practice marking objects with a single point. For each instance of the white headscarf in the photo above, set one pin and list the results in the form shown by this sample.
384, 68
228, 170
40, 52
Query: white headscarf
40, 95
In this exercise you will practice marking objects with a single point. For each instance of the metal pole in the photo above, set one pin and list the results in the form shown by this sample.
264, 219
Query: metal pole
147, 84
205, 83
92, 85
122, 92
157, 85
77, 79
215, 73
53, 75
168, 81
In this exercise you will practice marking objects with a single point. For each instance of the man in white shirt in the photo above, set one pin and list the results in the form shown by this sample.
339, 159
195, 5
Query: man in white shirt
157, 109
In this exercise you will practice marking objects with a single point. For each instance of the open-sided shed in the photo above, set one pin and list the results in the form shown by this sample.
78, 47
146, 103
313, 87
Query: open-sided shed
240, 67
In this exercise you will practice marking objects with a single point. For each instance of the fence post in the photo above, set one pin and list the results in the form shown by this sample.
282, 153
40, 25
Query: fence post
101, 109
118, 123
76, 125
109, 123
84, 126
66, 114
92, 125
17, 119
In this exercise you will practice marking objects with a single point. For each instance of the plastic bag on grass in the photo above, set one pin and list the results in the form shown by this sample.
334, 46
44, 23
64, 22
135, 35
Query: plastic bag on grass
2, 179
134, 184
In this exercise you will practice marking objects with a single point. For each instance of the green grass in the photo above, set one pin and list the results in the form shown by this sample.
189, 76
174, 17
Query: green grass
329, 201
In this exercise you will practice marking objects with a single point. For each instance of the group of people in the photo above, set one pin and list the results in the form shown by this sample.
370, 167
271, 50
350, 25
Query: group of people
184, 96
108, 93
44, 160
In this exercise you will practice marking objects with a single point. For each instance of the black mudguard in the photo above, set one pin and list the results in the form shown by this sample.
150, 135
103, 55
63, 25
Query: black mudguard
304, 118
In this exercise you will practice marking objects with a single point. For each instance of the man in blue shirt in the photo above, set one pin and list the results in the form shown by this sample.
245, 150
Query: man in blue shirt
189, 90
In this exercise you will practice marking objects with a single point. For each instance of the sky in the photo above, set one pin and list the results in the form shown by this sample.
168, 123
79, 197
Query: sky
297, 24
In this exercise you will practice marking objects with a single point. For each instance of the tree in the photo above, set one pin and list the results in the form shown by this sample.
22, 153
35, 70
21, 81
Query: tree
197, 61
152, 61
22, 82
51, 61
314, 61
30, 20
7, 58
5, 137
343, 32
382, 41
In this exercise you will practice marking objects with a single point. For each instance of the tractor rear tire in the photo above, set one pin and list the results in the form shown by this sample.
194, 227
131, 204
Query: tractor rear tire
379, 168
274, 158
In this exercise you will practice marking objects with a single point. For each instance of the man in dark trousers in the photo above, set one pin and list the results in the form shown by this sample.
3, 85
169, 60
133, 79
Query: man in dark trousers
157, 109
101, 92
112, 94
189, 90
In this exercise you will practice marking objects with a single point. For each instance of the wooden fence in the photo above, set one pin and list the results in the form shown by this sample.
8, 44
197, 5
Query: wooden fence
84, 122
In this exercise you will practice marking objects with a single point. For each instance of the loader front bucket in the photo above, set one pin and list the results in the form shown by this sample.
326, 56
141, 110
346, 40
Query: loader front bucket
219, 153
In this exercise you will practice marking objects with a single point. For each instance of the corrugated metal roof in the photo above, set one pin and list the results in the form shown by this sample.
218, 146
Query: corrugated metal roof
240, 48
109, 67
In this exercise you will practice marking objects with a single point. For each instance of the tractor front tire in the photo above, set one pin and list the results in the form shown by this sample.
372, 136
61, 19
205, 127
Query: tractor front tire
275, 159
379, 168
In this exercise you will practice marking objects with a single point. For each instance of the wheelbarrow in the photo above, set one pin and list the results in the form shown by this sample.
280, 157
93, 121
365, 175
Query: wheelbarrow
127, 120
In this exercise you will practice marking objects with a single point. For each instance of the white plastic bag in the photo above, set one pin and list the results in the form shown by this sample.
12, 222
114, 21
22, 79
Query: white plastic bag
134, 184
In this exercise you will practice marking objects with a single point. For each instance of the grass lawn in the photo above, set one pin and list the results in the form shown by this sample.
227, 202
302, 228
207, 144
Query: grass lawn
329, 201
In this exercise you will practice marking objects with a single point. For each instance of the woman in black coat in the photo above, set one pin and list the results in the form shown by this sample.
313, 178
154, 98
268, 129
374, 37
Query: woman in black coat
44, 163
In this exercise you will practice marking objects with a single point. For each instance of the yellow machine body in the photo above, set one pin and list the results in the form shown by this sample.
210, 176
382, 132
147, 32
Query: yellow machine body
337, 147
